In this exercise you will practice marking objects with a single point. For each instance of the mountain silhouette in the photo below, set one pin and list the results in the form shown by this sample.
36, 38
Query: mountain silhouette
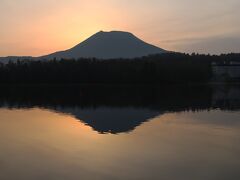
14, 59
112, 120
108, 45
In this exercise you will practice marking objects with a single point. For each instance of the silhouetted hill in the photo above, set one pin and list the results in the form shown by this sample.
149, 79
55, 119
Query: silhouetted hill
5, 60
108, 45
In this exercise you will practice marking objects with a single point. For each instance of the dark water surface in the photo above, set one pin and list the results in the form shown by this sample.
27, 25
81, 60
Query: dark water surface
120, 132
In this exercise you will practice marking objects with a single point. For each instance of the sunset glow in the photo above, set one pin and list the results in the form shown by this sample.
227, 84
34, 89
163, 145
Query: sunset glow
40, 27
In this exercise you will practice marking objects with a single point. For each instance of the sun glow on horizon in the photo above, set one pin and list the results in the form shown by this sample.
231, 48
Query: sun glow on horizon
41, 27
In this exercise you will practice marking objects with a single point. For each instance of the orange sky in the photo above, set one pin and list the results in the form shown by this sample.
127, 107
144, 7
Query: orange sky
41, 27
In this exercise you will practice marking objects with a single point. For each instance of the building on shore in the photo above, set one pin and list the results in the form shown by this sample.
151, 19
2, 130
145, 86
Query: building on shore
226, 71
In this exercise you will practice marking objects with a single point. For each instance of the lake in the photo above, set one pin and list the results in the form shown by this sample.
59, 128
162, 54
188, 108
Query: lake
120, 132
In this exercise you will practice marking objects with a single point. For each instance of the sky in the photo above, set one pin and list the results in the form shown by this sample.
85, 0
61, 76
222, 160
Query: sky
40, 27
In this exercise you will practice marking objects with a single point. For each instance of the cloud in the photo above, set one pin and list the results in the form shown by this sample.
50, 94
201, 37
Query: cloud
211, 45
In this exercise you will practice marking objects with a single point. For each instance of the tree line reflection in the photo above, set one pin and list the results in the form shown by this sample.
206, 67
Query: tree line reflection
119, 108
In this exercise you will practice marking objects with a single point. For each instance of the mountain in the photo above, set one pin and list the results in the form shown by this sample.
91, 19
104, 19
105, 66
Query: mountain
102, 45
108, 45
5, 60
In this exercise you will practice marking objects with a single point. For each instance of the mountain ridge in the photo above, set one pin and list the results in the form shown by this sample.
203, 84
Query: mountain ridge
108, 45
101, 45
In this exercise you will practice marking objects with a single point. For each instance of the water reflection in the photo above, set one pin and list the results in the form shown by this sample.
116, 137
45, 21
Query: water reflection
174, 133
40, 144
117, 109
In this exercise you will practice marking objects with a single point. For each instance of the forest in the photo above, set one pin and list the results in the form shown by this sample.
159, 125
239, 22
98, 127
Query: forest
169, 68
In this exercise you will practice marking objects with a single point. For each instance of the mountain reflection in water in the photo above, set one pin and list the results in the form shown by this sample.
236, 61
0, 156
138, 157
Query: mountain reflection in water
118, 109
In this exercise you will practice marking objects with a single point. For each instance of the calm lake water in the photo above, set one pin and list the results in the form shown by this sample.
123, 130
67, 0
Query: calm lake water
108, 133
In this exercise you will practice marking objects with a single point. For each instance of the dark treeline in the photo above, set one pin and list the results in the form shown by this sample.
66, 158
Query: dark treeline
162, 98
159, 98
163, 68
